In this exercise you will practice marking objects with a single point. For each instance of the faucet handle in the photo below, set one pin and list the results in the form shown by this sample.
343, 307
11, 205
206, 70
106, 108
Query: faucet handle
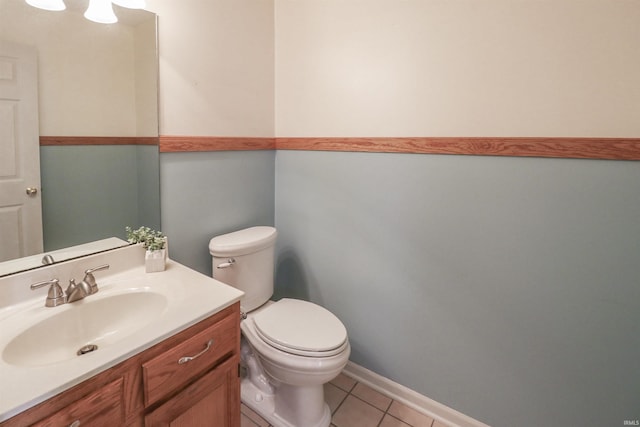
102, 267
55, 295
89, 279
52, 282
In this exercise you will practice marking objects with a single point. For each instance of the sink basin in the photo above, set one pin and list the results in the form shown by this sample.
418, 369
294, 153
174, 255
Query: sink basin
92, 321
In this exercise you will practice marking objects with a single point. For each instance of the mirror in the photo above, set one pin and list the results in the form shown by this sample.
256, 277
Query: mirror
98, 85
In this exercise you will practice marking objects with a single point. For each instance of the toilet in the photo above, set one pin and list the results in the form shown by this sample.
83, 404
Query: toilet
290, 348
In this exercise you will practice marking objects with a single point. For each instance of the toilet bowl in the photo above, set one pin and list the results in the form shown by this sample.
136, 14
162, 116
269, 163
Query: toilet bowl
290, 348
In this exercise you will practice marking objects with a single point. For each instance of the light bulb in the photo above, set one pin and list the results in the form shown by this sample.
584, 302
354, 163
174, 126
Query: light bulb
47, 4
131, 4
101, 11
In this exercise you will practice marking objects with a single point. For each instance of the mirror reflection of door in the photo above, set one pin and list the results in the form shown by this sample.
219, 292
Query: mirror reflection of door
20, 198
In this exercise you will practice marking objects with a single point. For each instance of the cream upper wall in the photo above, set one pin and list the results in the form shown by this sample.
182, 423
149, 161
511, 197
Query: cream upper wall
216, 67
146, 78
457, 68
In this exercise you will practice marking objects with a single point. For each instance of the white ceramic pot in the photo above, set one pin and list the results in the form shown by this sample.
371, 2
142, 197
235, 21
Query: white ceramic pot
155, 261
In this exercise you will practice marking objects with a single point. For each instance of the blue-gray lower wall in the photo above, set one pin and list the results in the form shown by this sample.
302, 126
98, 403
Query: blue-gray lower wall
211, 193
505, 288
92, 192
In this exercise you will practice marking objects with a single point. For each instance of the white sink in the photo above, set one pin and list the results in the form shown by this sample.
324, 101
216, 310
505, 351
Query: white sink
132, 311
91, 321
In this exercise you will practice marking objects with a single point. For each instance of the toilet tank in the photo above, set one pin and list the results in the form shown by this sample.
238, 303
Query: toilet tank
244, 259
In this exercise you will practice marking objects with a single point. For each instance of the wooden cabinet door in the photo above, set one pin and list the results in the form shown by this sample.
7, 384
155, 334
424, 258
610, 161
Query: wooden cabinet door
213, 400
102, 408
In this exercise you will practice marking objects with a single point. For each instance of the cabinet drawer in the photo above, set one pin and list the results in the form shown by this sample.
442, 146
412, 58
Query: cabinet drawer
102, 408
167, 373
212, 400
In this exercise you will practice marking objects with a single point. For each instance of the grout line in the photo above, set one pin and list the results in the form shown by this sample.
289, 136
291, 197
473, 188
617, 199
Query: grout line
386, 411
397, 419
362, 400
339, 405
349, 393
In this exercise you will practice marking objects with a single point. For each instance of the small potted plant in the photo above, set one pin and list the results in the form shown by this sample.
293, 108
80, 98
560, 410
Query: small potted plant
154, 242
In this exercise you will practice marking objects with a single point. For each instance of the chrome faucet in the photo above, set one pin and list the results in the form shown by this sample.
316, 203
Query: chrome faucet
75, 291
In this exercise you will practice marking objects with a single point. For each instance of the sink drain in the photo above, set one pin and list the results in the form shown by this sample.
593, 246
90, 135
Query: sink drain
87, 349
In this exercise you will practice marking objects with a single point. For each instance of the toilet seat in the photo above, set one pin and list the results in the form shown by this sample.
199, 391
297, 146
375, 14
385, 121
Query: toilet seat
301, 328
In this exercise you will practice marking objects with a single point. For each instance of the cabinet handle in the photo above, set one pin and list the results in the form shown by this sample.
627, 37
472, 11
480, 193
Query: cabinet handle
186, 359
76, 423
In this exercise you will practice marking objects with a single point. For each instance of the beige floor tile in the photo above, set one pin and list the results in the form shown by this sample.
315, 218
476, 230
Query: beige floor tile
246, 421
344, 382
333, 396
371, 396
409, 415
253, 416
389, 421
355, 413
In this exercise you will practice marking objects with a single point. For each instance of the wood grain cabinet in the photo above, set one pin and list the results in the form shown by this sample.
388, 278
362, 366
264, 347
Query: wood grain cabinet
206, 402
102, 408
188, 380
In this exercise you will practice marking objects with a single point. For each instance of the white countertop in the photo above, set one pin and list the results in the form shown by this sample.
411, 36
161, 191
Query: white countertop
192, 297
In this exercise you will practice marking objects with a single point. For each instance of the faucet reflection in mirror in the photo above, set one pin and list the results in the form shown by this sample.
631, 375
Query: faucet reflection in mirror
100, 11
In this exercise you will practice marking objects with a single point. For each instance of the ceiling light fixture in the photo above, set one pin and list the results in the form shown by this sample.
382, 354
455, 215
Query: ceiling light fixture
100, 11
47, 4
130, 4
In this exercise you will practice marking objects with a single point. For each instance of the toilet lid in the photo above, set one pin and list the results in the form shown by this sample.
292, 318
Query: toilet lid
300, 327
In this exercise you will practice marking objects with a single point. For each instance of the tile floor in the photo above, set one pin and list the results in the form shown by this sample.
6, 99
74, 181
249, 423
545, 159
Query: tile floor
354, 404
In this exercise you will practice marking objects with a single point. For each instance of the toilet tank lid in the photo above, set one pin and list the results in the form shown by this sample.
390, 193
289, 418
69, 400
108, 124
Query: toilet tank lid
242, 242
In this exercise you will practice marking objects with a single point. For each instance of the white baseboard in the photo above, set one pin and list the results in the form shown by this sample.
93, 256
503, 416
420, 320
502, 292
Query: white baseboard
406, 396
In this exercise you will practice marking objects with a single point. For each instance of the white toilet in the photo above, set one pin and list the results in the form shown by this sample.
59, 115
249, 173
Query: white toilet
291, 347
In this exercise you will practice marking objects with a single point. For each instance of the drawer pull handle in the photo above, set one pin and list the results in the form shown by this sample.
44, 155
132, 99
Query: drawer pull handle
186, 359
76, 423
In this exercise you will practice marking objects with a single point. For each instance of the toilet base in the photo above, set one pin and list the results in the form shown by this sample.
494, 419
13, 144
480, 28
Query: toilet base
264, 404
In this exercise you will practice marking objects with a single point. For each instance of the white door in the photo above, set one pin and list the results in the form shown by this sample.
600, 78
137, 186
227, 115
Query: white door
20, 200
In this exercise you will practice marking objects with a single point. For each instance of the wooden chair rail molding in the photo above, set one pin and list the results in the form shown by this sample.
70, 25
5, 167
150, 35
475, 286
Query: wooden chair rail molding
576, 148
571, 148
176, 144
98, 140
579, 148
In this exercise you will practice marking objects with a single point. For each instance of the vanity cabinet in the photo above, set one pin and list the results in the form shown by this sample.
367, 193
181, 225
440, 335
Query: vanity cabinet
203, 403
102, 408
190, 379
